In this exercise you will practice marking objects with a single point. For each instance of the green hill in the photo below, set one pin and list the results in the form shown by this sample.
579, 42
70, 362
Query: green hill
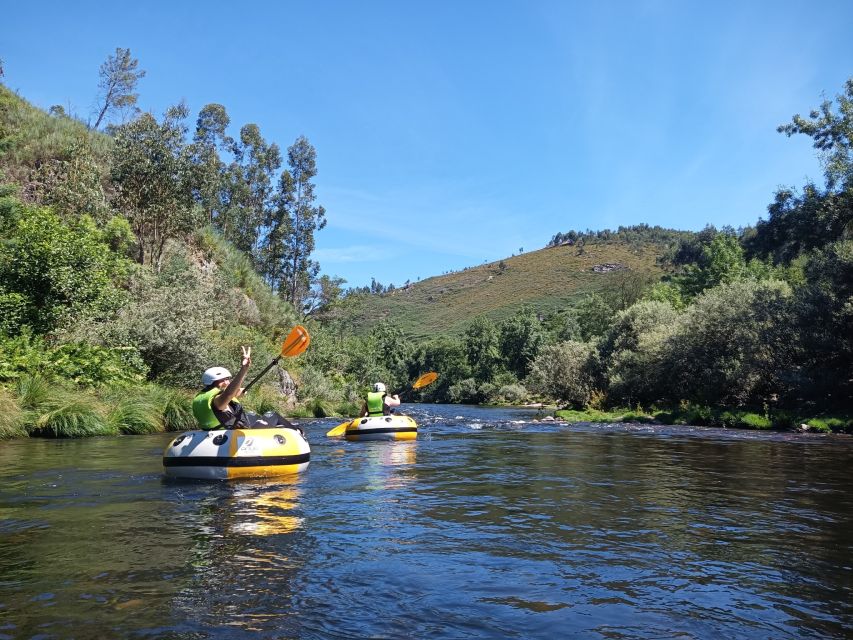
549, 281
29, 137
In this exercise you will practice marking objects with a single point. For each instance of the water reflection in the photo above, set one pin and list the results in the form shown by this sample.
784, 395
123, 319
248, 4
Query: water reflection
264, 510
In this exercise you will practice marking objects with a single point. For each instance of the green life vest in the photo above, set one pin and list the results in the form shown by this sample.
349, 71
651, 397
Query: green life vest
203, 409
375, 403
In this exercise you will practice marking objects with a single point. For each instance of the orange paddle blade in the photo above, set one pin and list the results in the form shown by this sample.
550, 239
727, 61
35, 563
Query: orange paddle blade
296, 342
424, 380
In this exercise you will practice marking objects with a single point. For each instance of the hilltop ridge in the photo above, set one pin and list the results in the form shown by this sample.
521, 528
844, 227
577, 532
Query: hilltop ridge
549, 280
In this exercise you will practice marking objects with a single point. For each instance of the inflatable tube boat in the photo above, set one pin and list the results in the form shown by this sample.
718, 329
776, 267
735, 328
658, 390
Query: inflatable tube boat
392, 427
222, 454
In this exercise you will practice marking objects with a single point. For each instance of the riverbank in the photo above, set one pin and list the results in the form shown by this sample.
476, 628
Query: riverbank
716, 417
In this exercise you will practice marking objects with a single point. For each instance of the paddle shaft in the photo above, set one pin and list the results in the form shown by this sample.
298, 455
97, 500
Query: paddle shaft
262, 373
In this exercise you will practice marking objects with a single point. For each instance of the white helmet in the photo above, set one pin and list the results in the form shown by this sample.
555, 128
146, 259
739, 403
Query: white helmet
379, 387
214, 374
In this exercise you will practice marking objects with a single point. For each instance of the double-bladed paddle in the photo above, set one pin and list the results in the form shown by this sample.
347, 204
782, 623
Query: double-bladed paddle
421, 382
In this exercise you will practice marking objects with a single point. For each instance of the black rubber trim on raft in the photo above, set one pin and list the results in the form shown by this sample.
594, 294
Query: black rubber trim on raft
254, 461
350, 432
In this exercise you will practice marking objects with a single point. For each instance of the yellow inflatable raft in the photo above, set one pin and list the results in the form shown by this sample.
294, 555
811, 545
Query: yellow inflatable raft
236, 453
392, 427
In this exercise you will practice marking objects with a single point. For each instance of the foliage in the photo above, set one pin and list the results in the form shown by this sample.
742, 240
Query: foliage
79, 362
832, 134
733, 346
152, 172
825, 321
565, 372
71, 183
56, 272
168, 320
593, 316
512, 393
445, 356
482, 348
520, 338
628, 325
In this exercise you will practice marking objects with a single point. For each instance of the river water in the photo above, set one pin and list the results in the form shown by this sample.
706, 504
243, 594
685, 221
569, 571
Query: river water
490, 525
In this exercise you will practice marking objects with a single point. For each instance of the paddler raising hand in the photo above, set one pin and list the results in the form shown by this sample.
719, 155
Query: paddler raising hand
215, 406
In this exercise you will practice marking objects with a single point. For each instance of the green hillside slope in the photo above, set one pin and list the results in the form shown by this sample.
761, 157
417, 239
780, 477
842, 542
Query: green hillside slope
548, 280
29, 137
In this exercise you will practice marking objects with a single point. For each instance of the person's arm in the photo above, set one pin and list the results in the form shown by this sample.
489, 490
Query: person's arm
392, 401
235, 388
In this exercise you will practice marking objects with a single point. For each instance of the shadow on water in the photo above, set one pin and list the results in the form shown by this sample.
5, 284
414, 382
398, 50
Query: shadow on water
491, 524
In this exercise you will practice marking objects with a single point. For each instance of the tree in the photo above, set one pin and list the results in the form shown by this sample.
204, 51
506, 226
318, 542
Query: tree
393, 351
250, 199
210, 137
565, 372
825, 314
800, 222
593, 315
735, 345
290, 236
446, 356
324, 295
119, 76
152, 172
832, 134
482, 348
520, 338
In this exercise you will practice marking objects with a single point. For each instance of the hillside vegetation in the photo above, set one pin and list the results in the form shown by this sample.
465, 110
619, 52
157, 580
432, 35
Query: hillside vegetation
549, 281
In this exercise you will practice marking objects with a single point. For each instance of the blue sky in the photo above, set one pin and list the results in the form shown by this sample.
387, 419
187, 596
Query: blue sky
453, 133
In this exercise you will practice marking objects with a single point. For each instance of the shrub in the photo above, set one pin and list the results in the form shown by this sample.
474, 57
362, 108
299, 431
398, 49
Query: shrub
464, 392
64, 271
566, 372
512, 393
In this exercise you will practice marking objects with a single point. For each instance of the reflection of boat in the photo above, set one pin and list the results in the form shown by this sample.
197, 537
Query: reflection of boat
236, 453
392, 427
265, 509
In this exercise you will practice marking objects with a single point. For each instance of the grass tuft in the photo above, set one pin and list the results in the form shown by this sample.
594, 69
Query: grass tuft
66, 415
11, 417
136, 414
178, 410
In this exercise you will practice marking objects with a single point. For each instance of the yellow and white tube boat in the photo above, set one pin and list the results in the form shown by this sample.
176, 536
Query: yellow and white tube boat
223, 454
393, 427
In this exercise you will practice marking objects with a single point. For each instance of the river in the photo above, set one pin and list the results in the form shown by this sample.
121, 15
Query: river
490, 525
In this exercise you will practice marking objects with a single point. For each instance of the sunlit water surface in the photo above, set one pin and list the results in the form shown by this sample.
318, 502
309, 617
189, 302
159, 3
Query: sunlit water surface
490, 525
